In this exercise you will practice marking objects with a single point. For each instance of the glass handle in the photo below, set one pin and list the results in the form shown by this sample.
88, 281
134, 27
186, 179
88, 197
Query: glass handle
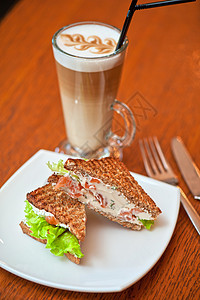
130, 126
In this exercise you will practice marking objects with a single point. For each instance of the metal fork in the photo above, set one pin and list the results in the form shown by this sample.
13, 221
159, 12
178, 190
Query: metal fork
158, 168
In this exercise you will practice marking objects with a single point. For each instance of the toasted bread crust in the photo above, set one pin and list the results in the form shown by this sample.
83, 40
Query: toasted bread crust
54, 178
26, 230
113, 172
65, 209
117, 220
73, 258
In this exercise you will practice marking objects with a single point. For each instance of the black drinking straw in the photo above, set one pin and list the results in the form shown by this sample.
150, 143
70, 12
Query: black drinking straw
133, 7
161, 3
126, 24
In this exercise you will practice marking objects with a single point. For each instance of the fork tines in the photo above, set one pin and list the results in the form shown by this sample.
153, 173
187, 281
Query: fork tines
155, 162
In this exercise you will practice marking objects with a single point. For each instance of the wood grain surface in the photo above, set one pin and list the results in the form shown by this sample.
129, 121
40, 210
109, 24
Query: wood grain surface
160, 83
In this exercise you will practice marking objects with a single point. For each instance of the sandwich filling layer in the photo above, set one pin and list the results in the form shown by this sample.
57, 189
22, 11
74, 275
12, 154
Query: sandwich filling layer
109, 200
49, 217
103, 198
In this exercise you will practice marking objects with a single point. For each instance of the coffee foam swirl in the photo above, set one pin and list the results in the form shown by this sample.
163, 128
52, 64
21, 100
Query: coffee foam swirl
87, 47
93, 43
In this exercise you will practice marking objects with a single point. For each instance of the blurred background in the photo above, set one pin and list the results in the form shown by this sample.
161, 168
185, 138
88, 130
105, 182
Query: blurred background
5, 6
161, 72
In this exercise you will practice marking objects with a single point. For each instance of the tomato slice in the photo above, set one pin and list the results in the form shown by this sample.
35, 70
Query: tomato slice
62, 182
95, 180
127, 215
72, 187
51, 220
89, 186
76, 195
103, 202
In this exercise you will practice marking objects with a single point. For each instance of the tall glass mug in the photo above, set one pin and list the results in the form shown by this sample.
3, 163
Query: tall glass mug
89, 72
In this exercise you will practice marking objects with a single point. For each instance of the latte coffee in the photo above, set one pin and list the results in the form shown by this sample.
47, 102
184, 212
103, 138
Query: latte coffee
89, 72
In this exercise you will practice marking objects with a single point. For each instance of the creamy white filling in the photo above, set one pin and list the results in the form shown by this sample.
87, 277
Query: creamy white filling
114, 202
44, 213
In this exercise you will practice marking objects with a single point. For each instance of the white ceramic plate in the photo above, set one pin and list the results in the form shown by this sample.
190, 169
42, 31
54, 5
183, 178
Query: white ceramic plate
115, 257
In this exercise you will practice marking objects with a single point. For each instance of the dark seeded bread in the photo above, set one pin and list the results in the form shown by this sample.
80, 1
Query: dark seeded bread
54, 178
26, 230
65, 209
113, 172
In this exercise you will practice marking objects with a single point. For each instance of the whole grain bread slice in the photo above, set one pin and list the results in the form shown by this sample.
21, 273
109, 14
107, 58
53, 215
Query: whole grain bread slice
66, 210
26, 230
113, 172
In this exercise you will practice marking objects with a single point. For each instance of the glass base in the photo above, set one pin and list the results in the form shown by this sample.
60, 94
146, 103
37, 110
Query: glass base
66, 148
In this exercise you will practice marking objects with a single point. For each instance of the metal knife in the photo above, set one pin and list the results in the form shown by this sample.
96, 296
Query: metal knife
189, 170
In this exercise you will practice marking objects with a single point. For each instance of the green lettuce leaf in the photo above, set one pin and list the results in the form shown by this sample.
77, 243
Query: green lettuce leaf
147, 223
64, 243
59, 240
57, 167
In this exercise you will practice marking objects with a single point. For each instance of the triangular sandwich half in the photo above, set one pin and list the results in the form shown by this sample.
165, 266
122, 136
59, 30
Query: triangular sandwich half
107, 187
54, 218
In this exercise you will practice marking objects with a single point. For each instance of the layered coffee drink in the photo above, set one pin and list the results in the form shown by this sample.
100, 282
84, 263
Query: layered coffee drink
89, 72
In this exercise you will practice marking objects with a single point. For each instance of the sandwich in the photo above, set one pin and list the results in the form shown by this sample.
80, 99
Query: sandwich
57, 220
107, 187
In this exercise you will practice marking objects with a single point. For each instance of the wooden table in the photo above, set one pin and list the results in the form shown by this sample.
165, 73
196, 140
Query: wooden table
161, 84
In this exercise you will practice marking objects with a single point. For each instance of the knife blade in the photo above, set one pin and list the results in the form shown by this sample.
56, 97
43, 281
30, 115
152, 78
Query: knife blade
189, 170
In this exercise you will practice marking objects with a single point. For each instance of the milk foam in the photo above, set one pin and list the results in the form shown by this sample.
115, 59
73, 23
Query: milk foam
87, 31
88, 59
